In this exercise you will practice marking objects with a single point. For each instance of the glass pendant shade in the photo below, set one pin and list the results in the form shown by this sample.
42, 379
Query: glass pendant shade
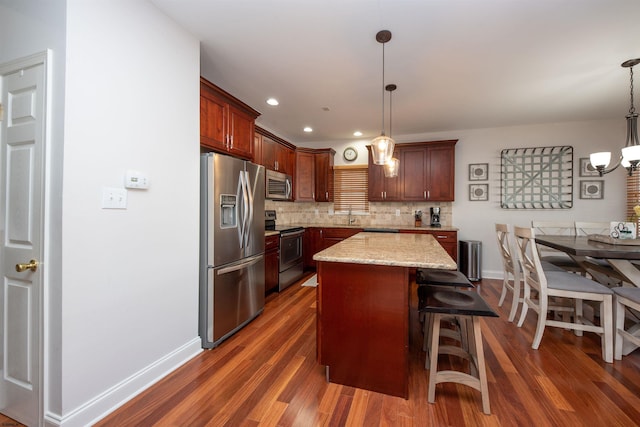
382, 149
391, 168
602, 159
631, 153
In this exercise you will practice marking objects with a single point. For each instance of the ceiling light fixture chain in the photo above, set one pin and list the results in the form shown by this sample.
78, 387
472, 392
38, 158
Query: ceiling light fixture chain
382, 146
630, 153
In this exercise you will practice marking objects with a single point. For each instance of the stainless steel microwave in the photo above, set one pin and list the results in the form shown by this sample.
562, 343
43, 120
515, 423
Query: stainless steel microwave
278, 186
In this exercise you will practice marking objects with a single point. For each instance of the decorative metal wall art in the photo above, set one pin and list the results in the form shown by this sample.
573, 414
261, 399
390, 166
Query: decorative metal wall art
537, 178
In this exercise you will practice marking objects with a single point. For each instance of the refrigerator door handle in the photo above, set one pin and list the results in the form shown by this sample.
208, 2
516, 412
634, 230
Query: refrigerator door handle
240, 266
249, 200
245, 210
241, 206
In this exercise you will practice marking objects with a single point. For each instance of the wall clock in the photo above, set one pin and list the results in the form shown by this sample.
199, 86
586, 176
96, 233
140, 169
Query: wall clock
350, 154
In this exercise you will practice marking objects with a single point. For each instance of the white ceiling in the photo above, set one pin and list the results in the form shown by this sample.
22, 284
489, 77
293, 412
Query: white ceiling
458, 64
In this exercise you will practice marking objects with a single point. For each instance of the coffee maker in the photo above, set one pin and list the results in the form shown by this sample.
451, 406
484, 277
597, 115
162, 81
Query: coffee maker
435, 217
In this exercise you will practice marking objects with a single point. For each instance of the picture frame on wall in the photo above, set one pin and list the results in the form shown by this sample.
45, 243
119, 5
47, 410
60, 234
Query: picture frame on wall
593, 190
478, 171
478, 192
586, 169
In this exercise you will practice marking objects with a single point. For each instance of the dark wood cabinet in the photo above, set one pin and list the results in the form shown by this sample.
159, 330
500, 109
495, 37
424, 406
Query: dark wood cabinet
381, 188
448, 240
271, 262
314, 175
305, 183
274, 153
319, 238
324, 159
226, 123
427, 173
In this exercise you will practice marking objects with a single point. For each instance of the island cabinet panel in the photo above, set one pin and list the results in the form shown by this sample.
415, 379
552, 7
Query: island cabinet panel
447, 239
271, 262
362, 324
305, 184
226, 123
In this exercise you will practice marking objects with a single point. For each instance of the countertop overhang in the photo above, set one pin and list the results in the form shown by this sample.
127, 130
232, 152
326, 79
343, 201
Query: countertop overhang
393, 249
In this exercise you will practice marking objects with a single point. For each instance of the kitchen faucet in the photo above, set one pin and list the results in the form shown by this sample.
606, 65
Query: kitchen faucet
351, 220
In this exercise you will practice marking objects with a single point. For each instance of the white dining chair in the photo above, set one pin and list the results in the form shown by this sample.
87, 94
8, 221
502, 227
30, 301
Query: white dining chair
555, 257
512, 271
624, 297
563, 285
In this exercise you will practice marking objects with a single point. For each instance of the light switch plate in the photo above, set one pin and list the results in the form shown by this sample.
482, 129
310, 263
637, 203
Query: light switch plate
114, 198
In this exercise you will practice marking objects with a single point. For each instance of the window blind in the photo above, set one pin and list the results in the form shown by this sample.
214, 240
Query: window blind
351, 189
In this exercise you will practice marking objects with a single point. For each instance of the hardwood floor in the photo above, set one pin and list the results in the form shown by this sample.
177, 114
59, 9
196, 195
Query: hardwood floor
267, 375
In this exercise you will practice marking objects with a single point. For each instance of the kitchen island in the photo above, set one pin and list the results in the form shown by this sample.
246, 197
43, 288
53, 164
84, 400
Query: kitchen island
363, 307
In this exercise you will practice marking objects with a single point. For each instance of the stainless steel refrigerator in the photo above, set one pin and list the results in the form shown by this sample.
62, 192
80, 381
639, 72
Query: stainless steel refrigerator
231, 246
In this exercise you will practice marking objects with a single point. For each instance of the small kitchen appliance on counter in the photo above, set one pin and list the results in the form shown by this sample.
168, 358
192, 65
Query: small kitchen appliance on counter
435, 217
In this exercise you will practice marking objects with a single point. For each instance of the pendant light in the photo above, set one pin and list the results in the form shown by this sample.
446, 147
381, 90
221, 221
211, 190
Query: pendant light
630, 154
382, 146
392, 165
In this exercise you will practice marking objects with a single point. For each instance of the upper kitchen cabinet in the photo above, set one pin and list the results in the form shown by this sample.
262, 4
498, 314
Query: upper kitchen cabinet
226, 123
324, 174
276, 153
314, 175
305, 183
427, 171
381, 188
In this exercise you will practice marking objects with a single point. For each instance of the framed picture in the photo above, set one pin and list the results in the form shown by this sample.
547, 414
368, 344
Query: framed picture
478, 171
591, 189
586, 169
478, 192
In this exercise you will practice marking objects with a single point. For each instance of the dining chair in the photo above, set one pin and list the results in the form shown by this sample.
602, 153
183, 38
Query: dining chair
512, 271
624, 297
563, 285
555, 257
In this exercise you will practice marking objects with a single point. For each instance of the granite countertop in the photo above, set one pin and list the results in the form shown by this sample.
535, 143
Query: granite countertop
268, 233
378, 226
394, 249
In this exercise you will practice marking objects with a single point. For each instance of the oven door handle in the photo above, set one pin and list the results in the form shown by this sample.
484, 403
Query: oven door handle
291, 233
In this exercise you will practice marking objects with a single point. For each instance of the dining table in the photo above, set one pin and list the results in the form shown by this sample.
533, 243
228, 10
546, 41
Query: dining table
622, 256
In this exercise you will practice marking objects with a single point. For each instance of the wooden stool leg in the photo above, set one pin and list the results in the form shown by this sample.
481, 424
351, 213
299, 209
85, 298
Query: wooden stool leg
482, 371
433, 366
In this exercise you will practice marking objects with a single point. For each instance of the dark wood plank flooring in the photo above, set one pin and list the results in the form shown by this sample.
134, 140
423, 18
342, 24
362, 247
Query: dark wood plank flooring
267, 375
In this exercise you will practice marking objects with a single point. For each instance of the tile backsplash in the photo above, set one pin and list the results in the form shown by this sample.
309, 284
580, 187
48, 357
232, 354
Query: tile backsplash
380, 214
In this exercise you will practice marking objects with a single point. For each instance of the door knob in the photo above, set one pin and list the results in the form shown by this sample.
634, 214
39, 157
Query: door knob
32, 265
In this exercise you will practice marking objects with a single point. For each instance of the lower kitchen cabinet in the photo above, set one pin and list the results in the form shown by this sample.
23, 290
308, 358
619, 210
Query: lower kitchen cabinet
271, 262
447, 239
319, 238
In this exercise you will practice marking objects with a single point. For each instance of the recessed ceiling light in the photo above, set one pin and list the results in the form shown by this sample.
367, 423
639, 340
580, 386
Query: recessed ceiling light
272, 101
357, 133
308, 129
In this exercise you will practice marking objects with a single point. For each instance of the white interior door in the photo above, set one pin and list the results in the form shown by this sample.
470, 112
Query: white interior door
21, 195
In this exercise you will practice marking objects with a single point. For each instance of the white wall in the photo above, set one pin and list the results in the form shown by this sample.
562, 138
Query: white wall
475, 220
130, 290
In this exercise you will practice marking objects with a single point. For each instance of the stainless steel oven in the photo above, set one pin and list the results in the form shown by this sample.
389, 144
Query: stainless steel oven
291, 266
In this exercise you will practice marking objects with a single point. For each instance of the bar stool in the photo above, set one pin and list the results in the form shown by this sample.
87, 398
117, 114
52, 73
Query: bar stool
435, 277
439, 302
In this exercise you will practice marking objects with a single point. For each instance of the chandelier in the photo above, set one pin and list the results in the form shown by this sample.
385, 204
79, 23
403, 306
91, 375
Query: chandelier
382, 146
630, 154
